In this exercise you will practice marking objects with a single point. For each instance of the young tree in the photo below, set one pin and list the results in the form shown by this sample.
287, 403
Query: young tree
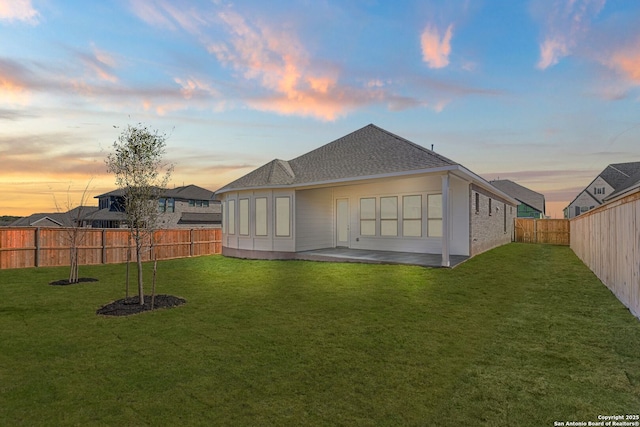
138, 165
75, 235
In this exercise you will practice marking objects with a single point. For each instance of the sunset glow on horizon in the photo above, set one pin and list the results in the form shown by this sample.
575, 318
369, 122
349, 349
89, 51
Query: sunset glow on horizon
545, 92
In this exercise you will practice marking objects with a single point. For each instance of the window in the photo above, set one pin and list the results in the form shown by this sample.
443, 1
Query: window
171, 205
477, 203
198, 203
434, 215
283, 217
192, 203
261, 216
388, 216
243, 208
232, 217
368, 217
489, 206
162, 205
205, 203
412, 216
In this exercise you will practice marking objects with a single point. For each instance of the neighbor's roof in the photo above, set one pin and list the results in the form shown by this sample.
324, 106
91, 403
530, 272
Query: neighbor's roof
520, 193
629, 184
186, 192
367, 152
59, 219
200, 218
617, 174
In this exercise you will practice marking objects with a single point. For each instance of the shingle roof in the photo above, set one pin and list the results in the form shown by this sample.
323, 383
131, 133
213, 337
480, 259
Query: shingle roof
617, 174
189, 192
368, 151
185, 192
520, 193
61, 219
200, 218
632, 181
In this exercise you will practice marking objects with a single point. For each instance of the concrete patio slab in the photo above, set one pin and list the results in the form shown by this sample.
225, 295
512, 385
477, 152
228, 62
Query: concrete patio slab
377, 257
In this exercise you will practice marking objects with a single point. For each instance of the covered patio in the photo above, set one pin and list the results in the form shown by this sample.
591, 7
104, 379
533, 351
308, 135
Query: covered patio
378, 257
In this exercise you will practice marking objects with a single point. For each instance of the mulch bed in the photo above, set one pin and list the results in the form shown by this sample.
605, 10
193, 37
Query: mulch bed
128, 306
65, 282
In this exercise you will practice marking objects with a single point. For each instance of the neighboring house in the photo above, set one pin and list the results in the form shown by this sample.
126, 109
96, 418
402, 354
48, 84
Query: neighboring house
532, 204
80, 216
182, 207
370, 190
612, 179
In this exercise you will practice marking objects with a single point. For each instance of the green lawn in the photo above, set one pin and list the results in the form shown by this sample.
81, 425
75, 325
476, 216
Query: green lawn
523, 335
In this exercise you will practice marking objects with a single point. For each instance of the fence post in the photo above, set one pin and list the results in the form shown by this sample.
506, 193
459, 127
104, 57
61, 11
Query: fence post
104, 245
535, 231
192, 245
36, 239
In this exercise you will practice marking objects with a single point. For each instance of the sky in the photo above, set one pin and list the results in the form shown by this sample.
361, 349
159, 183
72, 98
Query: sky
543, 92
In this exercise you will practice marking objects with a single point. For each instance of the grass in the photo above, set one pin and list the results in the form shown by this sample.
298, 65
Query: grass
521, 335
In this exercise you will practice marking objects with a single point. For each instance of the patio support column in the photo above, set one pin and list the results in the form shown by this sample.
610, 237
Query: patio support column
445, 221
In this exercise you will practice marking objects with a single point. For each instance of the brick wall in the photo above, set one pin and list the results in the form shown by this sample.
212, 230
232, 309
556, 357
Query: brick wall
489, 230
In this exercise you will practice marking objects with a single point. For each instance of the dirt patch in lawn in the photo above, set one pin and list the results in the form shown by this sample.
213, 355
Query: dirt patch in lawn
129, 306
65, 282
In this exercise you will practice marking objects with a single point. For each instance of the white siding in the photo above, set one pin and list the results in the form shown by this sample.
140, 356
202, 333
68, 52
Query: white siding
423, 186
314, 219
258, 242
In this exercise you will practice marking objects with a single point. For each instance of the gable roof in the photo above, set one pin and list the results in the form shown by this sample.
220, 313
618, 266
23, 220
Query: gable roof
185, 192
629, 184
367, 152
56, 219
617, 174
520, 193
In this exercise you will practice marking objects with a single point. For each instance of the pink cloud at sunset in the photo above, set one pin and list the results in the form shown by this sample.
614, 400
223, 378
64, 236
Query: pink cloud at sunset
436, 48
18, 10
565, 23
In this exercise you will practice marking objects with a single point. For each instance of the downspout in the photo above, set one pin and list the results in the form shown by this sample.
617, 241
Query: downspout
445, 221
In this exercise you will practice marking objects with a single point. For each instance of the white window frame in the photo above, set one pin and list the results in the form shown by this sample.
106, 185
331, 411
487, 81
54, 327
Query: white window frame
388, 218
434, 218
262, 215
232, 217
411, 217
367, 219
283, 216
243, 217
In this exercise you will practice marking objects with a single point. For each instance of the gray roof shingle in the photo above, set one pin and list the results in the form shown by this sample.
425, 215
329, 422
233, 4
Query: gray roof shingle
520, 193
368, 151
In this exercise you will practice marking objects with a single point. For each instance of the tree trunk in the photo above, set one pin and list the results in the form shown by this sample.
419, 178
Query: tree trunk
139, 261
153, 286
126, 296
73, 271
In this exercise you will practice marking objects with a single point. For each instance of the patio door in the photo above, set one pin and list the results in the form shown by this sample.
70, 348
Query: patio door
342, 223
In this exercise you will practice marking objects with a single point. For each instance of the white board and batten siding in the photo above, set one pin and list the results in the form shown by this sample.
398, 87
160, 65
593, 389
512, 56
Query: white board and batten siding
399, 187
244, 232
607, 240
314, 217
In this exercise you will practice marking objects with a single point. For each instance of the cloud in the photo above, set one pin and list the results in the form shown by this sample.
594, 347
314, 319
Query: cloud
436, 49
18, 10
565, 23
626, 61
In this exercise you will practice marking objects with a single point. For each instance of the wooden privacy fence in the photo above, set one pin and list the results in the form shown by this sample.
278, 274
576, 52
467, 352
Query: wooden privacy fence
49, 247
607, 240
549, 231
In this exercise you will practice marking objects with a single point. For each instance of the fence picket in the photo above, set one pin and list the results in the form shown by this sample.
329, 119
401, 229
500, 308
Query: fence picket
23, 247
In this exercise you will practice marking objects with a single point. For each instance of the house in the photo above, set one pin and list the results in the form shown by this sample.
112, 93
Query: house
80, 216
369, 190
531, 204
182, 207
614, 178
